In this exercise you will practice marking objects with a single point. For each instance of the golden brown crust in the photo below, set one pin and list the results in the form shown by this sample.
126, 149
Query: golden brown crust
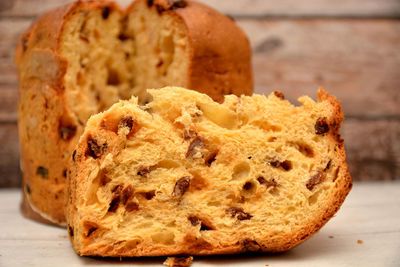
221, 64
226, 59
343, 187
42, 97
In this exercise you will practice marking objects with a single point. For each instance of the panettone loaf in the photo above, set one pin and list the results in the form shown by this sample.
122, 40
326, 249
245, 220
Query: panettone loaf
79, 59
195, 177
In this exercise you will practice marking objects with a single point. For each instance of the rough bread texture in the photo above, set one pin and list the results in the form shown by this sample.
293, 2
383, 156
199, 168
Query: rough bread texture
79, 59
196, 177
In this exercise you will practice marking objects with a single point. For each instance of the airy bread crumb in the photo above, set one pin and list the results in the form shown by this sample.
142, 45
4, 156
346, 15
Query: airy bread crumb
185, 175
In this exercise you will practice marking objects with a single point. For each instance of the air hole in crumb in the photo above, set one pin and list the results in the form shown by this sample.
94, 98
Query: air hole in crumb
211, 158
114, 204
132, 244
241, 170
148, 195
274, 191
219, 115
313, 198
272, 139
197, 182
164, 237
90, 231
250, 245
336, 174
304, 149
265, 125
328, 165
171, 223
131, 206
80, 79
104, 179
126, 122
167, 164
290, 209
90, 227
204, 227
214, 203
96, 34
127, 194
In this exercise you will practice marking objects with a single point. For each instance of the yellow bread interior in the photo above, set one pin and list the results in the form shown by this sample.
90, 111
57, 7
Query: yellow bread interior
186, 175
120, 56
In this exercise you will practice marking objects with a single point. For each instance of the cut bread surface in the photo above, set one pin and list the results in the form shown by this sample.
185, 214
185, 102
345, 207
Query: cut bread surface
112, 55
78, 60
186, 175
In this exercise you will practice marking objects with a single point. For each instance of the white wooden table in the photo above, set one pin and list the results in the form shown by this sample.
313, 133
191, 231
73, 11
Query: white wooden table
371, 213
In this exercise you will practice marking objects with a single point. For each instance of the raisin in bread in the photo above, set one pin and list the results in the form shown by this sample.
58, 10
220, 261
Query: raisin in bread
196, 177
79, 59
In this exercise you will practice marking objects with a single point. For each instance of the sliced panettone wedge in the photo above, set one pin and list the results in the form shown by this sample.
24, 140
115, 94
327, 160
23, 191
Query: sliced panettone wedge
186, 175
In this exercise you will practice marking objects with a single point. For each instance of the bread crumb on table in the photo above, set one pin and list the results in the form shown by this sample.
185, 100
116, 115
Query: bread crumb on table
178, 261
360, 241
